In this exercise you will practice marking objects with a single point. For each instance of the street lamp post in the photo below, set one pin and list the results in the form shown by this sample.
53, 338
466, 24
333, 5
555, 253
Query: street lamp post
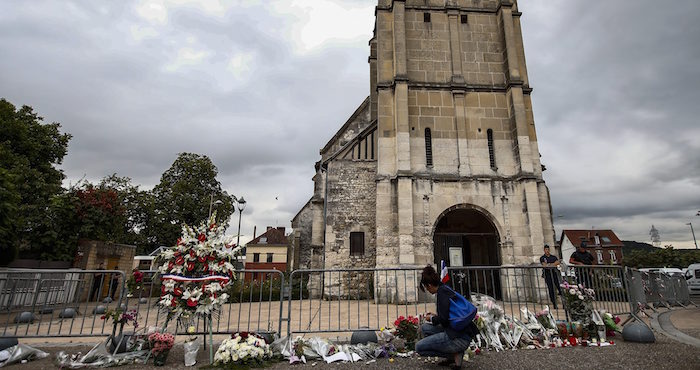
693, 232
241, 206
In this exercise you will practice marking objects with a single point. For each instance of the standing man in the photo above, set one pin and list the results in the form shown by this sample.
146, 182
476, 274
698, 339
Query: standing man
550, 273
114, 283
582, 258
97, 281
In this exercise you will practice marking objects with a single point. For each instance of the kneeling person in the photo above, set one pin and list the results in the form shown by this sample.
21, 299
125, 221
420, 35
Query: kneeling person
441, 339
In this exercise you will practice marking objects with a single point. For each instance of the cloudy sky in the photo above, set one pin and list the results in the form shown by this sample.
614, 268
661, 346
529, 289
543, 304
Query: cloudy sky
260, 86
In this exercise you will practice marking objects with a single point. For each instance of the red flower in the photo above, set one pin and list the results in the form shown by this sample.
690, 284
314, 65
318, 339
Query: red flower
190, 266
478, 351
211, 257
192, 254
180, 261
212, 226
171, 265
103, 317
162, 290
572, 340
202, 259
179, 241
206, 268
191, 302
202, 238
177, 291
221, 263
176, 254
173, 303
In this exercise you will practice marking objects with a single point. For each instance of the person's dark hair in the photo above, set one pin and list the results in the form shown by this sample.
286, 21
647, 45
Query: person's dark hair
546, 246
583, 245
429, 276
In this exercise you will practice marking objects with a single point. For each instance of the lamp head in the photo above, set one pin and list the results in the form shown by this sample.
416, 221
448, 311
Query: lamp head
241, 204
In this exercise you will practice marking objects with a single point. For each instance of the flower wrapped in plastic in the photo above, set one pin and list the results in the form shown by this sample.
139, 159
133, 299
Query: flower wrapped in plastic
242, 349
579, 301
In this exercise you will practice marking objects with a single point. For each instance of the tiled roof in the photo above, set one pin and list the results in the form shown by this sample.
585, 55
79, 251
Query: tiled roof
273, 235
577, 236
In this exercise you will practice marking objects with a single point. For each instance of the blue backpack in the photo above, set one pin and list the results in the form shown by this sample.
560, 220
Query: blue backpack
462, 312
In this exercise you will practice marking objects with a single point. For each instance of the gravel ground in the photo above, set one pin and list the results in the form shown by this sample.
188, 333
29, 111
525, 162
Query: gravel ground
664, 354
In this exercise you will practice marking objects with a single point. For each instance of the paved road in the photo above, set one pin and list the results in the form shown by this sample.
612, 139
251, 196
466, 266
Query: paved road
664, 354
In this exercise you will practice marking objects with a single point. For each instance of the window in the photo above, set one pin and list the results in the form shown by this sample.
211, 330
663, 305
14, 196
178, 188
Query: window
263, 240
613, 257
605, 239
600, 256
269, 257
357, 243
463, 18
256, 257
426, 17
492, 153
428, 148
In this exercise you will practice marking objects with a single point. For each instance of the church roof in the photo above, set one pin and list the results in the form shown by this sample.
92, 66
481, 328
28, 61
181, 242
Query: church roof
361, 109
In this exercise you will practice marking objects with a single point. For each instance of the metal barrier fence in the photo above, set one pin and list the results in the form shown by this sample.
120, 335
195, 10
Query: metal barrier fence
38, 303
345, 300
51, 303
63, 303
651, 289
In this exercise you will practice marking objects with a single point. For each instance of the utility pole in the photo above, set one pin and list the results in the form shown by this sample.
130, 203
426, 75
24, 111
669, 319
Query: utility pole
693, 231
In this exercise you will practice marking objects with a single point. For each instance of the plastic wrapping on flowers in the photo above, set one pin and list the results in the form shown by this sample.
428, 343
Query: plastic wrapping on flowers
248, 349
579, 302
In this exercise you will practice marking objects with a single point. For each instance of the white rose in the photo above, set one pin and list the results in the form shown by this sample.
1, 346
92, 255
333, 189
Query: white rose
571, 291
580, 297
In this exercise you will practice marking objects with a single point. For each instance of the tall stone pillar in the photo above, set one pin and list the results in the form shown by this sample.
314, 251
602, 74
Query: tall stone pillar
515, 85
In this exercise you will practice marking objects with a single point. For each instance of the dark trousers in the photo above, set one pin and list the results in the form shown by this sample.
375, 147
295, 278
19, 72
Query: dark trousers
552, 281
113, 289
96, 287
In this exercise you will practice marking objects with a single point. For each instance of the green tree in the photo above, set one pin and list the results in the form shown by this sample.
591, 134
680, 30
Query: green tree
29, 153
183, 196
137, 209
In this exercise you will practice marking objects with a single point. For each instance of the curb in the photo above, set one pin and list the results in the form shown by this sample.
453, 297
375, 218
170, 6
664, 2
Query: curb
662, 323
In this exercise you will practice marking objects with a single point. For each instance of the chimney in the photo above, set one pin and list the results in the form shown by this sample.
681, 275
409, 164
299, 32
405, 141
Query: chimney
255, 230
268, 228
281, 228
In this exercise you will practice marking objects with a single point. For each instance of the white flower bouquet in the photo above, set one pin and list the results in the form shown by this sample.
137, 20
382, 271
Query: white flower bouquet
243, 349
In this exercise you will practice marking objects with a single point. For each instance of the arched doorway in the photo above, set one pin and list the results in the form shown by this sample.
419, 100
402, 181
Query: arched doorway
465, 235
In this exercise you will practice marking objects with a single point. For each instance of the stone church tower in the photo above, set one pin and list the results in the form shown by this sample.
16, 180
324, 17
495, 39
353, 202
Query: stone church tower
440, 162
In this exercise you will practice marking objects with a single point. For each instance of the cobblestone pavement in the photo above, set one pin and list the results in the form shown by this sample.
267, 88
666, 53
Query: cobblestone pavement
664, 354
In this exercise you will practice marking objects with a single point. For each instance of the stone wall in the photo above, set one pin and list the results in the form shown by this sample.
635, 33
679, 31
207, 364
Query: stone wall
351, 208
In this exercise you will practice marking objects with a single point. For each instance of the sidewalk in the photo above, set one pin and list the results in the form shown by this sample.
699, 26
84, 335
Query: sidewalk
681, 325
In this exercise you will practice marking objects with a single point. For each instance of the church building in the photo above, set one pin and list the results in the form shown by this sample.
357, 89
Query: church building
440, 161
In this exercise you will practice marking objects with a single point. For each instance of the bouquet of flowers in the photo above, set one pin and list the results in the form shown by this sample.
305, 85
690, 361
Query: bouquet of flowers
406, 328
242, 349
579, 300
545, 318
120, 316
611, 322
160, 343
196, 272
135, 283
298, 351
191, 346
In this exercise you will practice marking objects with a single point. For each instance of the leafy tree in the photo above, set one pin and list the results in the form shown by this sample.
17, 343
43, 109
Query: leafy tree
136, 207
662, 257
29, 153
183, 196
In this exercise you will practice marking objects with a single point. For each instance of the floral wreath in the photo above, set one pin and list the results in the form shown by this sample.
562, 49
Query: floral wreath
196, 271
